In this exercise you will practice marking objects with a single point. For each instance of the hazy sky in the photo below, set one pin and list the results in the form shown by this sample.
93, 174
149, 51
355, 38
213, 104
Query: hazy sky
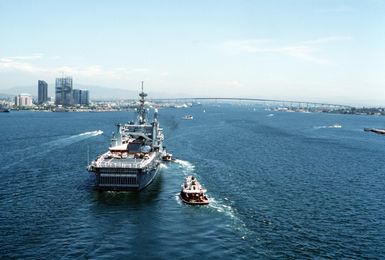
325, 50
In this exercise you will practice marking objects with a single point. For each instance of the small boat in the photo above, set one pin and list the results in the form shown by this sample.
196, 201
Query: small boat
375, 130
336, 126
192, 192
167, 157
188, 117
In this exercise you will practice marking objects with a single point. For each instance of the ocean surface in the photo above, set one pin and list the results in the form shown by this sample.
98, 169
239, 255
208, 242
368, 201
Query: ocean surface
281, 185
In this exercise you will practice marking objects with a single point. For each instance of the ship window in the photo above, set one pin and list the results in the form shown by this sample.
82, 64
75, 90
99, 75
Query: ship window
134, 147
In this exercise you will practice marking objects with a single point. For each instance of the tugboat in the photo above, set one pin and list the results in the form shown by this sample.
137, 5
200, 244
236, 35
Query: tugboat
133, 158
192, 192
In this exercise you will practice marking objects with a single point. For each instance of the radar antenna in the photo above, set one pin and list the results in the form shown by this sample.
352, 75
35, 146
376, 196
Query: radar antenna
141, 109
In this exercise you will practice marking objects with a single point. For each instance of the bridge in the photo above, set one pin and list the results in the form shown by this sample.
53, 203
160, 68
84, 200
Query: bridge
276, 102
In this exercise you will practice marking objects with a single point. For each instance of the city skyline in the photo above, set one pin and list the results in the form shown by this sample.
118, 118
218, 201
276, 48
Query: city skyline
298, 50
42, 92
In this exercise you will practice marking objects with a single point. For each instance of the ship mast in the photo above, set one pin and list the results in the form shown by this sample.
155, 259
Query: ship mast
141, 108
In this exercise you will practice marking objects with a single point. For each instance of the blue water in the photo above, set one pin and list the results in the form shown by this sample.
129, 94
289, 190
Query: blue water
281, 185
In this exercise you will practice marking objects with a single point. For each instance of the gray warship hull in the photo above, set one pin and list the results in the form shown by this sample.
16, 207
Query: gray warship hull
124, 178
133, 158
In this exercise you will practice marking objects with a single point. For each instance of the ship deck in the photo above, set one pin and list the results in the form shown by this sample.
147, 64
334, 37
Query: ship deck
128, 161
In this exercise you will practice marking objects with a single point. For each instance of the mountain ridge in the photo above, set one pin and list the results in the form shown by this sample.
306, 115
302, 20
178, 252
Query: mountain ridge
96, 92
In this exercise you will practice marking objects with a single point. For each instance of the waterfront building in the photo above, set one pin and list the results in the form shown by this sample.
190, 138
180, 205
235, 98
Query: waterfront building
23, 100
63, 91
42, 92
76, 96
81, 96
84, 97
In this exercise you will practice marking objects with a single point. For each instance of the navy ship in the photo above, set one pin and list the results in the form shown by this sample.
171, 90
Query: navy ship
134, 156
4, 109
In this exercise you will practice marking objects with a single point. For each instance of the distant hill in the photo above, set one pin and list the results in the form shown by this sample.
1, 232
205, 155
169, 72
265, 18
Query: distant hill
99, 92
6, 96
20, 89
96, 92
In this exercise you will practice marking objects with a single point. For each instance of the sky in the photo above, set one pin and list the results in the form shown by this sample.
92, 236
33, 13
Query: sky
307, 50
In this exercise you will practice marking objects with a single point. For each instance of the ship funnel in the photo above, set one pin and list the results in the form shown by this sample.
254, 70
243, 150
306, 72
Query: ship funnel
118, 135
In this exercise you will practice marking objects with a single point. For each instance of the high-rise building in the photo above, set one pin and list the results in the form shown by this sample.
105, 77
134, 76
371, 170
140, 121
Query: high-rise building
63, 91
42, 92
76, 96
84, 97
23, 100
81, 96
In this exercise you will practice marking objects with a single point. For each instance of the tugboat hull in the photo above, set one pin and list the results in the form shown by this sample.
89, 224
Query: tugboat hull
203, 201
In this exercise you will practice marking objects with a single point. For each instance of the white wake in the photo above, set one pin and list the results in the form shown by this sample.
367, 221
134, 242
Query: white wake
52, 145
73, 138
187, 167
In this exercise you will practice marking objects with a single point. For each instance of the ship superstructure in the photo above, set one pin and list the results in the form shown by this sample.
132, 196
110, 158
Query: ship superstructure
133, 158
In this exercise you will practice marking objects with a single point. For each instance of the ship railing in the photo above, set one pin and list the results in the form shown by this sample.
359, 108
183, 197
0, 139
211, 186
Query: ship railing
119, 165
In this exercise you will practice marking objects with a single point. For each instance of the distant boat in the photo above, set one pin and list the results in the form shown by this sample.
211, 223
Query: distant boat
336, 126
375, 130
5, 110
188, 117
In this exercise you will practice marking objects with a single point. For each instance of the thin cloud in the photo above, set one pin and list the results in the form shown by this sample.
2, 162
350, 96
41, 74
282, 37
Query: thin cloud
7, 64
270, 47
329, 39
305, 50
131, 71
252, 45
233, 83
95, 71
337, 9
33, 56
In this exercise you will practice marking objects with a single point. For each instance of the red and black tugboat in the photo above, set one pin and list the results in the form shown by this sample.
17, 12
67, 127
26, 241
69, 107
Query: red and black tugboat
192, 192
